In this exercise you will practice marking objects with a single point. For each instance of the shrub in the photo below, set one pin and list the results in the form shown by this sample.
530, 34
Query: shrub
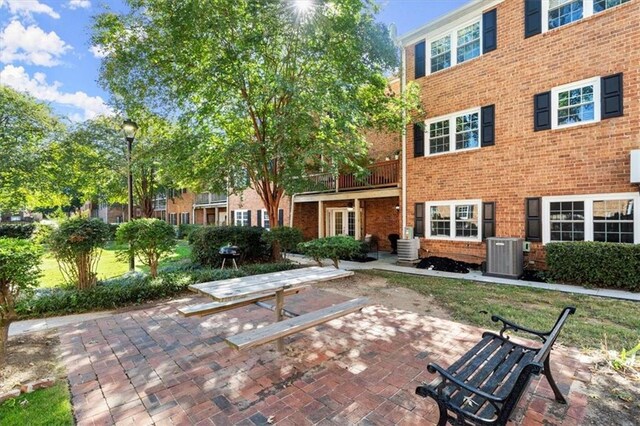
113, 229
594, 263
75, 245
185, 230
42, 234
333, 248
206, 241
288, 237
17, 230
19, 262
129, 290
148, 239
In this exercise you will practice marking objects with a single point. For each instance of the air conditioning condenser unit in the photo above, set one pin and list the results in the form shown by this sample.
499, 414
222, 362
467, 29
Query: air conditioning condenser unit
408, 250
504, 257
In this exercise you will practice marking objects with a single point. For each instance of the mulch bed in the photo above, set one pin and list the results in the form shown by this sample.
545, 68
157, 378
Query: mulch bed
436, 263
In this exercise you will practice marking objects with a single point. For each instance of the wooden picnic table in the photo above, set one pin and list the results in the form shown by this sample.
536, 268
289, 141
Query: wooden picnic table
245, 290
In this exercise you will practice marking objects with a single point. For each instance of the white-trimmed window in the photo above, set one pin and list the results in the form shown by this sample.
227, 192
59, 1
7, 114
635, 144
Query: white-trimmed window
241, 218
265, 219
173, 219
557, 13
601, 217
576, 103
455, 132
455, 46
184, 218
454, 220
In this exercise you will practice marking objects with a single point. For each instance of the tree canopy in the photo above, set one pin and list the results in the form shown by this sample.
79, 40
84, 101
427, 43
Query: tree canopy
258, 88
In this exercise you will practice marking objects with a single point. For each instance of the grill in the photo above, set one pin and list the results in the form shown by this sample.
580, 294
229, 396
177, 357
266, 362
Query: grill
229, 253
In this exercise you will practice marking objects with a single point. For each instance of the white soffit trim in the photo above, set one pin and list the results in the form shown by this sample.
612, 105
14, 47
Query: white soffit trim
346, 196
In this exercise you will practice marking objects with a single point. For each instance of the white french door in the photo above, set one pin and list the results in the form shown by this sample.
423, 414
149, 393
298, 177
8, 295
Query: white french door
341, 222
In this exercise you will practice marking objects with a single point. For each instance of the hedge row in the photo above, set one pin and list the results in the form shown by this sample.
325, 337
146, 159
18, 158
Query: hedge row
597, 264
206, 241
132, 290
17, 230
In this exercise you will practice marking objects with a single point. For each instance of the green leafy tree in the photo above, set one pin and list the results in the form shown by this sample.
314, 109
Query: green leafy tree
19, 272
27, 172
76, 245
263, 93
148, 239
288, 238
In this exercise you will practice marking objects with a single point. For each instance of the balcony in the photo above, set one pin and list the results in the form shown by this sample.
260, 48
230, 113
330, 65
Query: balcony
381, 175
160, 204
208, 198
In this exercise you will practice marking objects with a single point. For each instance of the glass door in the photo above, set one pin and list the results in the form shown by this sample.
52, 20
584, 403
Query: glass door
341, 222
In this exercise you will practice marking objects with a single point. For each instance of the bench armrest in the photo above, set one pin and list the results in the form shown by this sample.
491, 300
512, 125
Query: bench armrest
435, 368
509, 325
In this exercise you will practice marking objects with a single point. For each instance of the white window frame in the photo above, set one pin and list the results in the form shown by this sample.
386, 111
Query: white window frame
183, 215
452, 132
587, 11
555, 92
452, 205
588, 212
235, 217
453, 33
265, 216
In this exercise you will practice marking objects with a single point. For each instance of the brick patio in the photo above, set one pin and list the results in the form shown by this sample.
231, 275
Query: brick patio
152, 366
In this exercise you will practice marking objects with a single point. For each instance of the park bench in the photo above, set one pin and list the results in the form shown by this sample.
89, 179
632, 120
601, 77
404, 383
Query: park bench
293, 325
484, 386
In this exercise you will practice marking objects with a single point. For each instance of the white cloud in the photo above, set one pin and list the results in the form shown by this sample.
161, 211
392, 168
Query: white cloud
31, 45
27, 8
98, 51
79, 4
17, 78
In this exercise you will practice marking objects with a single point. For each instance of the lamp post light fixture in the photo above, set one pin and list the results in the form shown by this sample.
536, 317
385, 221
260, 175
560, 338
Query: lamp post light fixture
130, 128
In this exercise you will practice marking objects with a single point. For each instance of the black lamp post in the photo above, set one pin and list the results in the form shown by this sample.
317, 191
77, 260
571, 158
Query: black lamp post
130, 128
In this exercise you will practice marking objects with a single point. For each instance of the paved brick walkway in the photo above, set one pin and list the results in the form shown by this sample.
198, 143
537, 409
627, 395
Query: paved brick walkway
153, 366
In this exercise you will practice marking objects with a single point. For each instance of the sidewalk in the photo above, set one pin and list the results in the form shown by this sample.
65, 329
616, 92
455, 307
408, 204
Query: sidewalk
387, 263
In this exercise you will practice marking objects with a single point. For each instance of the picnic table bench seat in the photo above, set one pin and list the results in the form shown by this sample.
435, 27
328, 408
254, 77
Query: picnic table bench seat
484, 386
210, 308
290, 326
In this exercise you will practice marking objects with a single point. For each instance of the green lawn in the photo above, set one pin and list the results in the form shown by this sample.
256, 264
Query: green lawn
46, 407
109, 266
473, 303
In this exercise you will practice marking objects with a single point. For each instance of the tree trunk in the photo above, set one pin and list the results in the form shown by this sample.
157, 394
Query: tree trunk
4, 338
153, 268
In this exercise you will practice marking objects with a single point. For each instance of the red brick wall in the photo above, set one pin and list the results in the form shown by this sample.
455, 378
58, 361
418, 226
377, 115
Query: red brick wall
305, 218
588, 159
181, 203
250, 200
381, 219
383, 145
199, 214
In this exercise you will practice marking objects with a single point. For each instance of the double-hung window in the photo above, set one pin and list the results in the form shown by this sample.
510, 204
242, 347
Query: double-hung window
602, 217
454, 220
456, 132
265, 219
242, 218
557, 13
468, 45
184, 218
441, 54
576, 103
456, 46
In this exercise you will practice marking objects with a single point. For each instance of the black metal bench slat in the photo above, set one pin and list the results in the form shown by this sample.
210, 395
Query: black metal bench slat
484, 386
476, 361
506, 352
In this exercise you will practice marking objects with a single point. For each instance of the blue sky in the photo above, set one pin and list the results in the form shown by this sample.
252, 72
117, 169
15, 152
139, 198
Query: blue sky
45, 47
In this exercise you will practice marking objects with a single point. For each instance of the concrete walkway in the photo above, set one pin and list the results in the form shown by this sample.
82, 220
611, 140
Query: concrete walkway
387, 263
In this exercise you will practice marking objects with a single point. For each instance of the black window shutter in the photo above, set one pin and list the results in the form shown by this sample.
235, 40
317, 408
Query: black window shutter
249, 218
487, 117
489, 31
532, 17
611, 96
420, 59
232, 218
533, 219
280, 217
418, 226
542, 111
488, 220
418, 140
259, 218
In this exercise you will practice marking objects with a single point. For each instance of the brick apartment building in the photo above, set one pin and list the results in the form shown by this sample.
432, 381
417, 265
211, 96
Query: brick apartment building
532, 110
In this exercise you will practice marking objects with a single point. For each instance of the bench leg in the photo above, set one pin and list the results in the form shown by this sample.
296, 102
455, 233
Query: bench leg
556, 391
279, 317
442, 421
